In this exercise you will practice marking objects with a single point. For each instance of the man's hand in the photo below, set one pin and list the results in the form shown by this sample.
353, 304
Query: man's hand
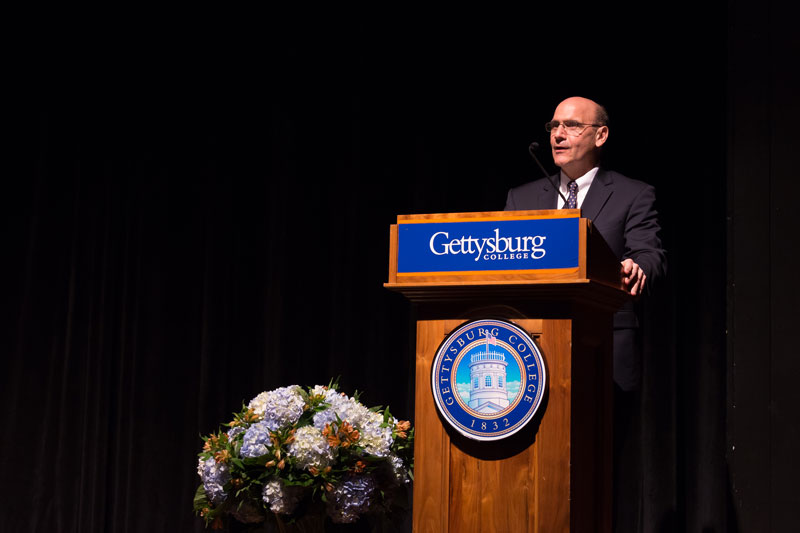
632, 277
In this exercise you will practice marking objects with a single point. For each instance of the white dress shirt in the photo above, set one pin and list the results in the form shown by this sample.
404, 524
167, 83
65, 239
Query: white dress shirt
583, 186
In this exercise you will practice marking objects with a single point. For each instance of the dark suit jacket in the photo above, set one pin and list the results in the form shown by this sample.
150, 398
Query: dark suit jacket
623, 211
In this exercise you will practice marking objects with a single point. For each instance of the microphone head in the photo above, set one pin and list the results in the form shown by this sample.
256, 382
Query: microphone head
533, 146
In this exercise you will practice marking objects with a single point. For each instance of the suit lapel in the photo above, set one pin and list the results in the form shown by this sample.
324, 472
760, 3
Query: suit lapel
599, 193
548, 197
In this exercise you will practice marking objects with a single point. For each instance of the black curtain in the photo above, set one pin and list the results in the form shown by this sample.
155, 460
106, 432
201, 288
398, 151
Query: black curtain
191, 226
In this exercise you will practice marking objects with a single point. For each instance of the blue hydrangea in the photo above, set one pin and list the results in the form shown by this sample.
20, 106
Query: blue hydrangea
234, 431
279, 408
351, 498
214, 476
345, 407
255, 441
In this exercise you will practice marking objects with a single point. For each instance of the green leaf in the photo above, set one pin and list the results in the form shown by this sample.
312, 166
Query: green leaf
255, 461
334, 382
200, 501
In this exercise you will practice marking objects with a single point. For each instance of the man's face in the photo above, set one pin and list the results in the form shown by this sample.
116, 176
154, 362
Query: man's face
577, 154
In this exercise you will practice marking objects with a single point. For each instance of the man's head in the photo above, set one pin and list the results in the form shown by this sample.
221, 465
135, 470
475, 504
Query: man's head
576, 149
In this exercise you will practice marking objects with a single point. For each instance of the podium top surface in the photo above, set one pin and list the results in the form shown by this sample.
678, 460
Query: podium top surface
530, 214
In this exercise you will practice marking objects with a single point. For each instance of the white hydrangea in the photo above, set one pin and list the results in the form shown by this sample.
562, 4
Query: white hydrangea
310, 448
280, 498
375, 439
399, 469
259, 403
321, 390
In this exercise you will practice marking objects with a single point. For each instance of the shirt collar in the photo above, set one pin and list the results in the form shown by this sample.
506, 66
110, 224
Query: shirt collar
583, 182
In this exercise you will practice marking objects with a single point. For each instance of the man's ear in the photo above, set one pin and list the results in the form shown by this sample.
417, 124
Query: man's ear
601, 136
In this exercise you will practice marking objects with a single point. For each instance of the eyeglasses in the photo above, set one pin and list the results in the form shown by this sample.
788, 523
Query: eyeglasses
572, 127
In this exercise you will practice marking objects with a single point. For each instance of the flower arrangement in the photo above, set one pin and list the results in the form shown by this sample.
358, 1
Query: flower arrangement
293, 452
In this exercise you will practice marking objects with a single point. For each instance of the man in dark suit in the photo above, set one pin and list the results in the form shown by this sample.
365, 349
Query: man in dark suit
620, 208
623, 211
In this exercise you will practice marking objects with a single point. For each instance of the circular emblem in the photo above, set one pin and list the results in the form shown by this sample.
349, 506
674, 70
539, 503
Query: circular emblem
488, 379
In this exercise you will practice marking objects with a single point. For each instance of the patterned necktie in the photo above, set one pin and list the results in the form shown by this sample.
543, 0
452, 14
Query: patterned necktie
572, 199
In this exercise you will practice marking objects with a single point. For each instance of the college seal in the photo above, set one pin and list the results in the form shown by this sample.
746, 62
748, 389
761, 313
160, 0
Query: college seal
488, 379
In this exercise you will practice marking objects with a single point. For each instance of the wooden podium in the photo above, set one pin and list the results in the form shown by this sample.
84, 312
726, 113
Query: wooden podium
555, 474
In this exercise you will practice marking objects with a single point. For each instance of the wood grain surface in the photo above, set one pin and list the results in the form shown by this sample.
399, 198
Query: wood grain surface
515, 490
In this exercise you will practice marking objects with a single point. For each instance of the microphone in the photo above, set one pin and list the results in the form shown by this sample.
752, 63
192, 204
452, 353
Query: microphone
532, 150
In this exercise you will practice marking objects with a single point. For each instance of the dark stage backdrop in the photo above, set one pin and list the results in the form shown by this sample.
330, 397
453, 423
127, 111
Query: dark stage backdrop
191, 226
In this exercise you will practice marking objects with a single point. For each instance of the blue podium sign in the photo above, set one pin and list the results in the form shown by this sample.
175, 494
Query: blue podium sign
487, 245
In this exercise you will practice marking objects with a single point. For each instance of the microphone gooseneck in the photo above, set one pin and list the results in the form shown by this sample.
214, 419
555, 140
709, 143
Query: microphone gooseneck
532, 150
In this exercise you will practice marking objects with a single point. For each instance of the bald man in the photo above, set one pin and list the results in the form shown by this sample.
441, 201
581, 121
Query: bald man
620, 208
623, 211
